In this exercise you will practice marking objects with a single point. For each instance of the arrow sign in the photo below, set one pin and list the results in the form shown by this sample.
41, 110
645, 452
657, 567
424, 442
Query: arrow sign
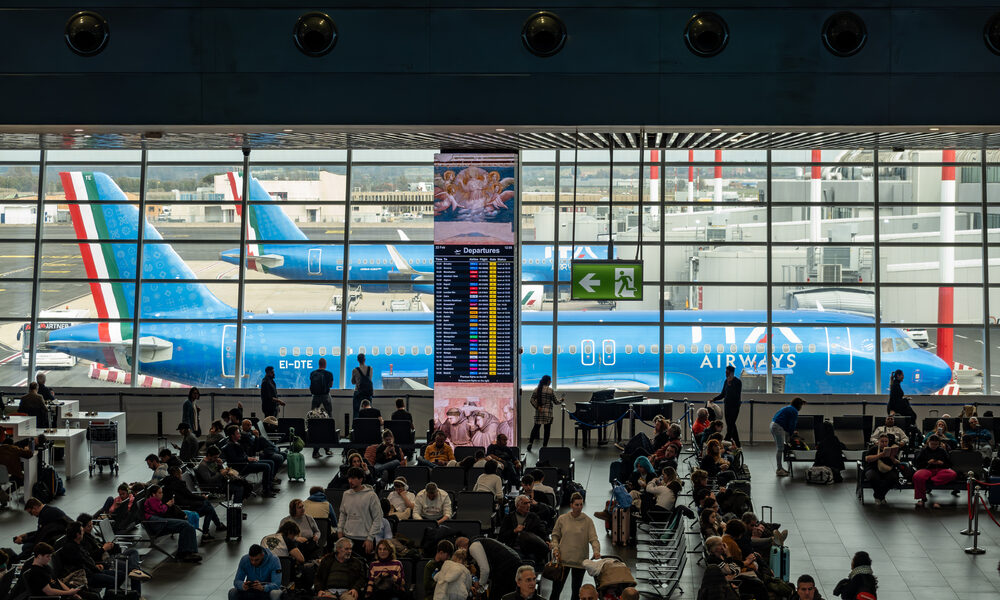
609, 280
589, 282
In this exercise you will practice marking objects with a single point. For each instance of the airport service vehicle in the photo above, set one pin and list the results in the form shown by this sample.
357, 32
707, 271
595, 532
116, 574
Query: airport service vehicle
818, 352
919, 336
377, 267
48, 321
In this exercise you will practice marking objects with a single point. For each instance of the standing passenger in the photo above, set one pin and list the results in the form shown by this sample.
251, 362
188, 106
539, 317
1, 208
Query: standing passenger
543, 398
730, 395
783, 427
320, 382
361, 377
269, 401
190, 412
573, 532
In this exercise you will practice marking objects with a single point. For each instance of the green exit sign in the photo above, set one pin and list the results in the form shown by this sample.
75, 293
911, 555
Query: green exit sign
606, 280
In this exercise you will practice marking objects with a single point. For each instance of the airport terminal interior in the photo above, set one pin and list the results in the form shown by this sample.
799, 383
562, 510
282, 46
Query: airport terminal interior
721, 327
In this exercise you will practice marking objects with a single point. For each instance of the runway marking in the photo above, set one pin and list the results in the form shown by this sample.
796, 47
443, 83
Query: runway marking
10, 358
334, 231
50, 271
28, 268
959, 335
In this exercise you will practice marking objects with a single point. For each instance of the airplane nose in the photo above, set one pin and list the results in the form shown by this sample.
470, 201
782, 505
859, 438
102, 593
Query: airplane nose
937, 373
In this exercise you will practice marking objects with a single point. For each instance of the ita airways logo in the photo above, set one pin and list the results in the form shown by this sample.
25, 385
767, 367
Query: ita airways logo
625, 282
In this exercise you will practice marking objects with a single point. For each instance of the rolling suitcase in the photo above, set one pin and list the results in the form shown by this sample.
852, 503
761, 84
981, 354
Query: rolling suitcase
296, 466
234, 521
993, 496
780, 562
615, 471
621, 526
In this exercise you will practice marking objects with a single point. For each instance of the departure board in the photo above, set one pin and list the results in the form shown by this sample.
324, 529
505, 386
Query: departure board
475, 304
474, 314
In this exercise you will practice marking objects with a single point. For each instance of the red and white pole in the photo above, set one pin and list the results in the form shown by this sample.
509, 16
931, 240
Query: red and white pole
815, 196
718, 181
690, 197
654, 179
946, 259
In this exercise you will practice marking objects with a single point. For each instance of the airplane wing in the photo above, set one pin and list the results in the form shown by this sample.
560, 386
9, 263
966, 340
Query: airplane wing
414, 385
151, 349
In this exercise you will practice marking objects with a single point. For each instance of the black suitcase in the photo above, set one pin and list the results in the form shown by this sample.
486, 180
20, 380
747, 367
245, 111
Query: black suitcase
234, 520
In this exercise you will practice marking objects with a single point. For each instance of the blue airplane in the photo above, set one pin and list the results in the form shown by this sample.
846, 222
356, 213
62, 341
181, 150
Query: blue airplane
824, 352
403, 267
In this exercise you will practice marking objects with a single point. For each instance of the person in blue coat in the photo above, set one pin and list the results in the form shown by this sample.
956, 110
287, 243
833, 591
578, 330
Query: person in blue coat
258, 576
783, 427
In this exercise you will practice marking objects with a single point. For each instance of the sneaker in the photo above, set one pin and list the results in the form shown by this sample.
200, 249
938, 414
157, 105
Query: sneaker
139, 575
329, 452
781, 473
620, 446
779, 537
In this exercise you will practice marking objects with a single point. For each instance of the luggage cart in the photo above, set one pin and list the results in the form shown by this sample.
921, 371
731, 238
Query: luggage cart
102, 437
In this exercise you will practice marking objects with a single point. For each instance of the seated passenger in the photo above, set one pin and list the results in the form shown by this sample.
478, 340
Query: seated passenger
881, 466
454, 581
489, 481
386, 578
944, 436
432, 504
701, 422
711, 523
890, 427
258, 576
933, 466
309, 533
340, 574
175, 489
735, 568
713, 462
830, 451
38, 580
318, 506
155, 510
339, 481
981, 436
401, 500
437, 453
388, 456
642, 474
51, 525
525, 531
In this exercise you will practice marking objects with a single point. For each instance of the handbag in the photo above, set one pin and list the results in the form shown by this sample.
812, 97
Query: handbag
884, 467
554, 570
76, 579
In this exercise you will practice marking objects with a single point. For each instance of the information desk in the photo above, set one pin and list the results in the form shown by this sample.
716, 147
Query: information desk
77, 457
20, 427
83, 421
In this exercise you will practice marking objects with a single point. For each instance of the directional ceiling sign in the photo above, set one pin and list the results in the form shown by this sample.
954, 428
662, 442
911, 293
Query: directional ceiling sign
618, 280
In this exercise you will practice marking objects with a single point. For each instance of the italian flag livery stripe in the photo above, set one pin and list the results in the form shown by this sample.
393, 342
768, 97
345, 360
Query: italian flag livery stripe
98, 258
253, 232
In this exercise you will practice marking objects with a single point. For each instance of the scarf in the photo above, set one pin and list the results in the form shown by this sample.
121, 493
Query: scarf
862, 570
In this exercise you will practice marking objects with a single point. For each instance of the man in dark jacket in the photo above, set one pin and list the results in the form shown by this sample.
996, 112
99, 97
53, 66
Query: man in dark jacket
108, 553
497, 563
269, 401
237, 459
805, 589
730, 395
525, 581
33, 405
525, 530
174, 488
189, 443
51, 524
861, 580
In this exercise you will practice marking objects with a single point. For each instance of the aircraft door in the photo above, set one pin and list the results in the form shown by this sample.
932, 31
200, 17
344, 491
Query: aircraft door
229, 352
839, 356
608, 353
587, 355
315, 261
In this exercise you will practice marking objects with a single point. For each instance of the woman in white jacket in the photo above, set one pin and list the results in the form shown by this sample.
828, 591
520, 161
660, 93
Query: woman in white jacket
401, 500
454, 581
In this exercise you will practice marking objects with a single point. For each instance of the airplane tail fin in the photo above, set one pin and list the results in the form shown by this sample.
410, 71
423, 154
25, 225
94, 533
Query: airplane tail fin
109, 254
266, 221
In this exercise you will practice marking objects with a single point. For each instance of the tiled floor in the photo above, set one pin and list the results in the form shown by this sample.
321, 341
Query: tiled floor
917, 554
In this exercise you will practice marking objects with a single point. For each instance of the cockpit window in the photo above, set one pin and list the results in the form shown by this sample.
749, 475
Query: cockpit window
886, 345
904, 343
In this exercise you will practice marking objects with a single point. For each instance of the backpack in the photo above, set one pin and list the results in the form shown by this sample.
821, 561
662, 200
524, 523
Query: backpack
569, 488
317, 413
819, 475
317, 383
621, 496
364, 388
295, 443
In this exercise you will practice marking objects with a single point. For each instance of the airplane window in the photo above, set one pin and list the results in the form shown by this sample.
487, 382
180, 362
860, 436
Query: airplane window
309, 351
559, 350
812, 348
786, 348
901, 344
401, 350
694, 348
572, 349
746, 348
533, 349
388, 350
628, 348
296, 351
374, 350
681, 348
364, 261
427, 350
668, 348
654, 349
546, 349
414, 350
340, 261
362, 350
886, 345
322, 350
720, 348
707, 348
733, 348
761, 347
798, 347
282, 351
335, 351
642, 348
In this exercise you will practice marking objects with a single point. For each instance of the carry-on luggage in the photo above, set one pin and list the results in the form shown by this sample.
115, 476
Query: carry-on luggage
993, 495
614, 473
621, 526
780, 562
296, 466
234, 520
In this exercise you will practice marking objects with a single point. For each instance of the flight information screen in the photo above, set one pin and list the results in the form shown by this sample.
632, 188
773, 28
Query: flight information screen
474, 308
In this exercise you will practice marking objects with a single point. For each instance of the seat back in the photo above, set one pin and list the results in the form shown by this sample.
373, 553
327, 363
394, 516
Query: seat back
965, 461
418, 578
463, 452
557, 456
416, 476
850, 430
904, 422
285, 422
324, 531
4, 475
451, 479
413, 529
472, 476
553, 477
477, 506
334, 497
465, 527
809, 428
402, 432
366, 431
322, 432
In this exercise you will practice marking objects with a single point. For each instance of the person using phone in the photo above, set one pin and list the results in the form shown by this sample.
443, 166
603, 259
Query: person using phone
258, 576
882, 468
